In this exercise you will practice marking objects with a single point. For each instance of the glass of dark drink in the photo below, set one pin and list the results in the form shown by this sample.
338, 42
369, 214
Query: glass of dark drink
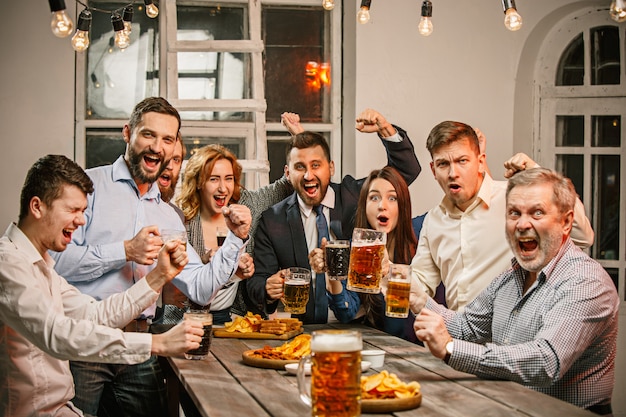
207, 324
221, 233
337, 259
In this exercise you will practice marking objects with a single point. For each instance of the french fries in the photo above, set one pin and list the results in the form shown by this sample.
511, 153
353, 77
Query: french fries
292, 350
385, 385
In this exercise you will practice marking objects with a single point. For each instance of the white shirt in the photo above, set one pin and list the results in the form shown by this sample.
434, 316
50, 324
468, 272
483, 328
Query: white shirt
467, 249
44, 322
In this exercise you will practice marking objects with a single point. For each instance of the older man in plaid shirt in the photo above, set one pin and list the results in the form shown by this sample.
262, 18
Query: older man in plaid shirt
550, 321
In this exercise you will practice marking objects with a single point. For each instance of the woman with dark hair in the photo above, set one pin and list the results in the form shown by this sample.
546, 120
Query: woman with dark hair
384, 205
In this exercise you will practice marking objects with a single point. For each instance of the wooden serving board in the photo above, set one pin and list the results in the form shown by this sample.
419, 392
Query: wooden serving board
257, 335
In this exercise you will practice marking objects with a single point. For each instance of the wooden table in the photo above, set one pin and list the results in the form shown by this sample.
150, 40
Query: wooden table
222, 385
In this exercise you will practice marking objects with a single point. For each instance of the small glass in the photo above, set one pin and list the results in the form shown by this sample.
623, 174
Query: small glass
206, 319
398, 291
173, 234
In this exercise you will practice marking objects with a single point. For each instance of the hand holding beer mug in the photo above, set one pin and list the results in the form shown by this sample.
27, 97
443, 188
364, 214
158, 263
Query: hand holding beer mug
366, 258
335, 373
206, 319
398, 291
296, 290
337, 254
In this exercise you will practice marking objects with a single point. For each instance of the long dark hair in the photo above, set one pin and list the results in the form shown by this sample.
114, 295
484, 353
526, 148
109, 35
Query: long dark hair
401, 241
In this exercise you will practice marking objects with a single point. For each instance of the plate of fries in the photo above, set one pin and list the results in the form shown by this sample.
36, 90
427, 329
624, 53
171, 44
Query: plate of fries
277, 357
252, 326
384, 392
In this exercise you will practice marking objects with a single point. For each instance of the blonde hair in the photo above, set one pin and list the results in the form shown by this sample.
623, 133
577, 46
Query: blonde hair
198, 171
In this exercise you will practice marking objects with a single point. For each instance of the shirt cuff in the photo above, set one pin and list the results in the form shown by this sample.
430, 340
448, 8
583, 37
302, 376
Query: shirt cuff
393, 138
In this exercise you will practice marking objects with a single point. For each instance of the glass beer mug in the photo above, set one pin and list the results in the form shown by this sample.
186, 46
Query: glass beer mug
366, 260
335, 374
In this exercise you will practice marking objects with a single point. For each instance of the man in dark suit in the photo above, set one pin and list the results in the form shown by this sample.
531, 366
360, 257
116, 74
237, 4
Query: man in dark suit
287, 231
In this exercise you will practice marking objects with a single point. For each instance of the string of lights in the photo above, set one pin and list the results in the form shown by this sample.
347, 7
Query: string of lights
512, 19
121, 20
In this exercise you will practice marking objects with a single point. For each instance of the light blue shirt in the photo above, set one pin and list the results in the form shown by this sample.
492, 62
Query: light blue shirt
95, 260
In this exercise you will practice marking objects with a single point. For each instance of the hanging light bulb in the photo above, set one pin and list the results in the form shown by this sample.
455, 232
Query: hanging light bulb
127, 18
151, 10
512, 19
618, 10
425, 26
80, 40
328, 4
60, 24
121, 39
363, 16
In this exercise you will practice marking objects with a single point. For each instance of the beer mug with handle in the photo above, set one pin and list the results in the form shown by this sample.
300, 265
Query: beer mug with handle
366, 260
335, 388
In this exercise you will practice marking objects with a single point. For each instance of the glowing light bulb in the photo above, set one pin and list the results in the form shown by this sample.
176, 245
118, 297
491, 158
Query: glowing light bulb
512, 19
151, 10
328, 4
425, 26
618, 10
121, 38
60, 24
127, 18
363, 16
80, 40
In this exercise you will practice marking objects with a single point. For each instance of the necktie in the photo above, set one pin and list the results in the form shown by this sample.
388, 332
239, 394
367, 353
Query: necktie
321, 302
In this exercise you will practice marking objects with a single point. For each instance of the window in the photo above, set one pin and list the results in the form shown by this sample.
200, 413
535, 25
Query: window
230, 68
581, 129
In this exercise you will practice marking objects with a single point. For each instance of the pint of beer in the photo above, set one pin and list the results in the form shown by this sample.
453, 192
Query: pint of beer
337, 259
366, 259
207, 324
335, 374
398, 291
296, 290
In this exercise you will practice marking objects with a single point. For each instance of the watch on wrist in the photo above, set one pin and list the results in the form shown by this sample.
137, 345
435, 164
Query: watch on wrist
449, 348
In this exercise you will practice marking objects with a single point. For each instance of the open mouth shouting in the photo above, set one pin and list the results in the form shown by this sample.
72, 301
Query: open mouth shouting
67, 234
527, 246
220, 200
165, 180
383, 220
153, 162
311, 189
454, 188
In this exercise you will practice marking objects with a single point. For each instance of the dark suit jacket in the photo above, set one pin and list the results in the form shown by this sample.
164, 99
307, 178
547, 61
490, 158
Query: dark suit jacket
280, 241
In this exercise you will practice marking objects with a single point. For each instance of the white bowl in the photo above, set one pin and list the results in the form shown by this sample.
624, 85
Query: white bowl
375, 357
292, 368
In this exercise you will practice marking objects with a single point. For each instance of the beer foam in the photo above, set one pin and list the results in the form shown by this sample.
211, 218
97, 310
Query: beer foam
336, 342
296, 281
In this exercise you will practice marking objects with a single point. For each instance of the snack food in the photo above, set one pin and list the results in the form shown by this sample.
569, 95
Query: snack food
254, 323
292, 350
385, 385
246, 324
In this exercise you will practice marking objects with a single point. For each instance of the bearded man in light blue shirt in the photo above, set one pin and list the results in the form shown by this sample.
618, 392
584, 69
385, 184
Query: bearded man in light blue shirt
119, 245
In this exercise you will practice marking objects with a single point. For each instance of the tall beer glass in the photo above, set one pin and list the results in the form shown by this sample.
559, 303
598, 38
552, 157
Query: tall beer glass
398, 291
366, 260
296, 290
335, 374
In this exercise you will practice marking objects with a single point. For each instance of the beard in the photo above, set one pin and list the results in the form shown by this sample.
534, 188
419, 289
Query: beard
134, 165
168, 193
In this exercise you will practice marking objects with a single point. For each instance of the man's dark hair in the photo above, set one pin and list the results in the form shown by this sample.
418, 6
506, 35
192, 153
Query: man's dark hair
46, 178
152, 104
306, 140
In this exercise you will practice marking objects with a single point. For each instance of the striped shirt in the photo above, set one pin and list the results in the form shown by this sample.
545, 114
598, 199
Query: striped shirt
559, 338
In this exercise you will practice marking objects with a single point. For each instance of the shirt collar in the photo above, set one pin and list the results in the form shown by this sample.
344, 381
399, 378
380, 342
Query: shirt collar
483, 197
327, 201
122, 173
24, 245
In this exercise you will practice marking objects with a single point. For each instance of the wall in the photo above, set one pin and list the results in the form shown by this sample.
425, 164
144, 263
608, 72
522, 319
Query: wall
466, 70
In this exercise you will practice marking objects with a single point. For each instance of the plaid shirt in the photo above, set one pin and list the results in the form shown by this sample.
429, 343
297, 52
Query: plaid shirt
559, 338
